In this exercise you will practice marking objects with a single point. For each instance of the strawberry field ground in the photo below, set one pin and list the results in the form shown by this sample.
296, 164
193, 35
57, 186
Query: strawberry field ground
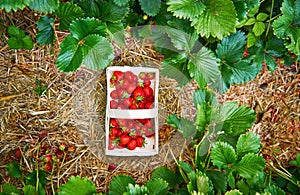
45, 111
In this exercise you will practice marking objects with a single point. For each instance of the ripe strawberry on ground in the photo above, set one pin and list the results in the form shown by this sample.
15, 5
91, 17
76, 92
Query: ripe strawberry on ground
48, 158
71, 148
18, 153
131, 145
112, 167
48, 167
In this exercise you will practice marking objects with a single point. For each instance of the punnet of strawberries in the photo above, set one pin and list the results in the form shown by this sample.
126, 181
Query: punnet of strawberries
129, 133
131, 91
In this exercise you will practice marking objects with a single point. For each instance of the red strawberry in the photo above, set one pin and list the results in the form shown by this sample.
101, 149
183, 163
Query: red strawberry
130, 124
119, 132
131, 87
112, 137
129, 76
133, 106
131, 145
140, 141
124, 139
122, 122
126, 130
48, 167
138, 94
120, 146
150, 75
121, 106
137, 127
112, 83
18, 153
148, 91
143, 76
113, 104
150, 98
111, 145
149, 123
141, 105
125, 84
113, 131
114, 94
148, 105
149, 132
121, 93
135, 78
117, 75
112, 167
128, 102
147, 83
48, 158
113, 123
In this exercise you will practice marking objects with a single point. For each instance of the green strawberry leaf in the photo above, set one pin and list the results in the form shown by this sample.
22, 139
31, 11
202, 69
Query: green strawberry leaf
218, 20
116, 32
258, 28
81, 28
10, 189
14, 170
247, 143
203, 67
274, 189
242, 72
118, 184
151, 8
67, 12
173, 121
251, 39
70, 56
31, 178
250, 165
46, 6
9, 5
164, 174
233, 192
136, 190
186, 9
77, 185
223, 155
97, 51
187, 128
218, 179
29, 190
201, 119
18, 39
262, 17
45, 25
120, 2
157, 186
231, 49
176, 68
286, 26
234, 118
90, 8
109, 12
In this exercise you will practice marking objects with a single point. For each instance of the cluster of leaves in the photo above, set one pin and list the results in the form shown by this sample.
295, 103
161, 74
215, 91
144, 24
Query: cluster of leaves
190, 24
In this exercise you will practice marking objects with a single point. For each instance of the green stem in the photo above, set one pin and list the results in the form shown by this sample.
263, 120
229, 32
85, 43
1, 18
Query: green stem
269, 24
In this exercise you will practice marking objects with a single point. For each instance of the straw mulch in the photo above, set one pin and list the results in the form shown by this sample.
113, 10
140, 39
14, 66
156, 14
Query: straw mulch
72, 110
276, 100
